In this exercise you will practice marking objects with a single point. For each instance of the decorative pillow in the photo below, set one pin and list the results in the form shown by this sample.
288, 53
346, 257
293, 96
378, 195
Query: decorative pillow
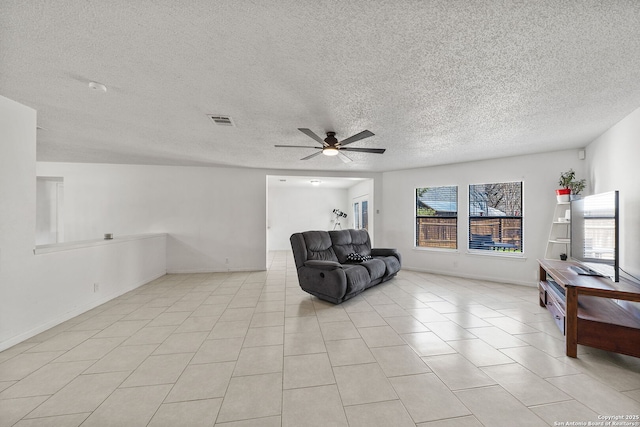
355, 257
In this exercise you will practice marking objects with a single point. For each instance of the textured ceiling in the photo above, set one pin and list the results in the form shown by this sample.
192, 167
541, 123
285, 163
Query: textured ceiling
436, 81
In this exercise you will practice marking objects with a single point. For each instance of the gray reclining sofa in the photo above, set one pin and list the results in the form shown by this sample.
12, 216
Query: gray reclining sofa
338, 265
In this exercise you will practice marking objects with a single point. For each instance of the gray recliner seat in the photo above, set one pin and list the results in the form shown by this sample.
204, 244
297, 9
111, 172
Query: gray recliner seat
324, 269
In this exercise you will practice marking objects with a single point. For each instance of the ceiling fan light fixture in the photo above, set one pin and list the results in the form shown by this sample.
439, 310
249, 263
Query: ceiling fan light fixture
330, 151
330, 146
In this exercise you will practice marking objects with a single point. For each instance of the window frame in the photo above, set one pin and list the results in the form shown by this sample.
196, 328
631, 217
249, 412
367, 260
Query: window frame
498, 249
455, 217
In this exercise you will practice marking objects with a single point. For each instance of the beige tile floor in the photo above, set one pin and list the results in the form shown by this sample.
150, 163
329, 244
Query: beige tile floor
252, 349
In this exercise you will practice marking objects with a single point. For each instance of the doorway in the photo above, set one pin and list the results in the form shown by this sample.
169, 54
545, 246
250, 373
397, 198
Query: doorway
302, 202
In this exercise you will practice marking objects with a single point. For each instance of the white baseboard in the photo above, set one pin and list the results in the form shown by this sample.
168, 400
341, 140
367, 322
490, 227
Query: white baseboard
472, 276
208, 270
75, 312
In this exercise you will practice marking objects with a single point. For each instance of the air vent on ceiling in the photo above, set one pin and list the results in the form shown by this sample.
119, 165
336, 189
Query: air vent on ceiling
221, 120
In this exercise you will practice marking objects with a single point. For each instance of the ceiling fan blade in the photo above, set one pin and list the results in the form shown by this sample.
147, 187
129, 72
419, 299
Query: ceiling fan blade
313, 155
365, 150
344, 158
357, 137
298, 146
313, 136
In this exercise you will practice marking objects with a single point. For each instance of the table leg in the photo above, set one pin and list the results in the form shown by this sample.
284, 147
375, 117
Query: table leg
571, 321
542, 277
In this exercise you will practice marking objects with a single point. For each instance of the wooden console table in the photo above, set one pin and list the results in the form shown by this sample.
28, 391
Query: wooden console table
584, 310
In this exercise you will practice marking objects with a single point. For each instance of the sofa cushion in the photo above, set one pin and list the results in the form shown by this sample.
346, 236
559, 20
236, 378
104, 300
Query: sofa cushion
350, 241
375, 267
392, 265
319, 246
358, 278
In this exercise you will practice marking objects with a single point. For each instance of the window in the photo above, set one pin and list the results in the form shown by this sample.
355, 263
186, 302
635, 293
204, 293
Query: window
437, 217
495, 217
361, 212
49, 210
365, 214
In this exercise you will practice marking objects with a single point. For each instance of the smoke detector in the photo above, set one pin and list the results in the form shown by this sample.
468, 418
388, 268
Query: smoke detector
221, 120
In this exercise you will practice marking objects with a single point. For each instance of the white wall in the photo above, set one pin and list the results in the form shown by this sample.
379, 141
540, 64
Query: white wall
214, 217
17, 198
40, 291
613, 162
295, 209
539, 173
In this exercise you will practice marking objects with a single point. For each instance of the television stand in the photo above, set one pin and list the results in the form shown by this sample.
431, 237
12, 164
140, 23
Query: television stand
584, 309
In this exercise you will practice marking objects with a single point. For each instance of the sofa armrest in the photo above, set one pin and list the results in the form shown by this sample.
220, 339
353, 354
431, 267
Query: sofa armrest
322, 265
386, 252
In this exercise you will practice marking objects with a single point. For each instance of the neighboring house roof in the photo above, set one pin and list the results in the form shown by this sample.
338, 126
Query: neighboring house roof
477, 210
444, 199
440, 206
440, 199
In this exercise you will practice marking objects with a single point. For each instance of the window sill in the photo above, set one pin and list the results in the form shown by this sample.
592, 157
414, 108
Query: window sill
484, 253
68, 246
440, 250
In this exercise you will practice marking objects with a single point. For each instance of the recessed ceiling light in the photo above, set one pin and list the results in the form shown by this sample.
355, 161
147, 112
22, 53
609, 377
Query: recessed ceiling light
97, 87
315, 182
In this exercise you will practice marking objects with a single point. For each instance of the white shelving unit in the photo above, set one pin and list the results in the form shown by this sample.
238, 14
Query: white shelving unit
559, 234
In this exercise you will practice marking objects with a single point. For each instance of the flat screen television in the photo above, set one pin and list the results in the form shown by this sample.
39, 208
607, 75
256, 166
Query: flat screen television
595, 234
